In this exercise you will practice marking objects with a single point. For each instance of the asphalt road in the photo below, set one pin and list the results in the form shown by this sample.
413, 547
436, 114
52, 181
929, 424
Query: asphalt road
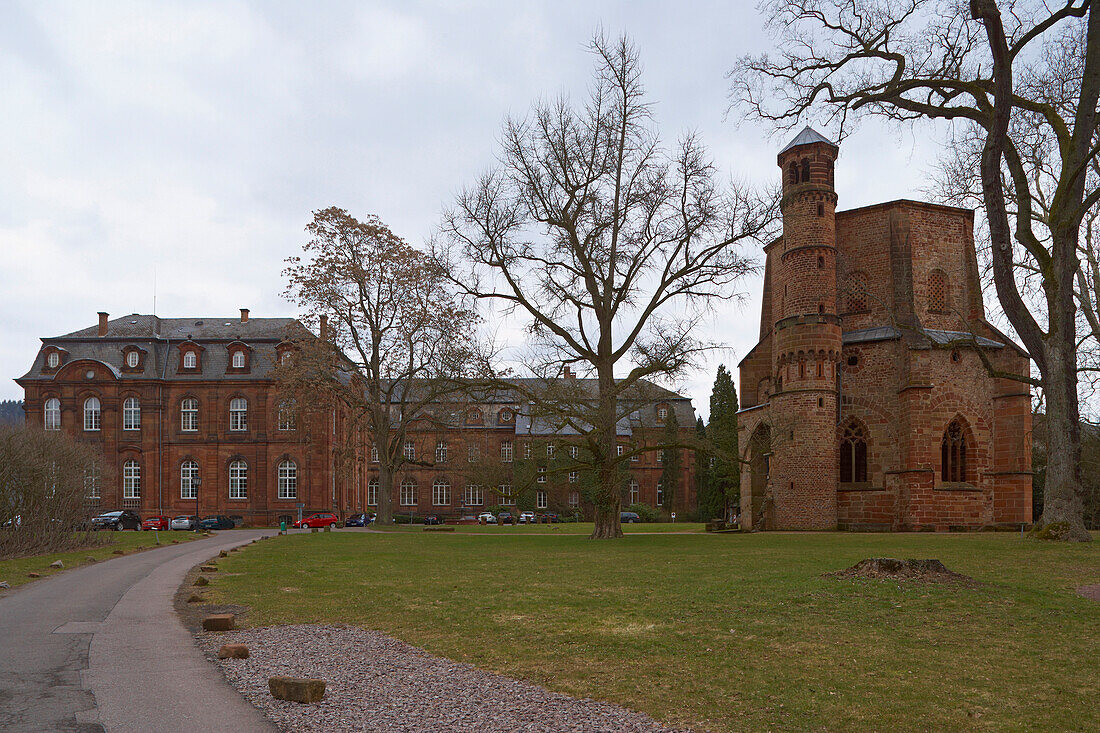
101, 648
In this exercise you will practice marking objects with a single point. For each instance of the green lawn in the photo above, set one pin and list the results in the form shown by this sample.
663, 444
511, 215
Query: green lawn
581, 528
724, 632
15, 571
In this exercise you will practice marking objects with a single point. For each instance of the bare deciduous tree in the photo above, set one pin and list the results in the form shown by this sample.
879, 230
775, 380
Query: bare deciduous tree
941, 60
395, 345
608, 247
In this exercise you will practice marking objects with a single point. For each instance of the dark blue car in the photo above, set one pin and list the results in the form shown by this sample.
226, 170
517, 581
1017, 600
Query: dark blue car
219, 521
358, 520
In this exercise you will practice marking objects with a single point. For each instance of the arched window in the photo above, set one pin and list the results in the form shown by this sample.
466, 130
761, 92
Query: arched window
189, 472
238, 359
938, 295
441, 493
408, 492
853, 454
288, 415
189, 415
238, 480
53, 360
805, 170
131, 414
51, 418
857, 293
372, 492
132, 359
131, 480
288, 480
238, 413
91, 414
190, 361
792, 172
474, 495
953, 454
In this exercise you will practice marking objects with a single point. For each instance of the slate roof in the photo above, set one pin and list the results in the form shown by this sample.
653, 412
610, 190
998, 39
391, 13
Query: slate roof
807, 136
160, 338
889, 333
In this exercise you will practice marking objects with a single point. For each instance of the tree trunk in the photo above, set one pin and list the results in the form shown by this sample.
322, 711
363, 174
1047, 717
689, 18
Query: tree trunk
385, 494
608, 501
1063, 499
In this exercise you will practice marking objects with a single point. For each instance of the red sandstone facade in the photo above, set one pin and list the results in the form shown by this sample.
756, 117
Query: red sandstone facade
865, 404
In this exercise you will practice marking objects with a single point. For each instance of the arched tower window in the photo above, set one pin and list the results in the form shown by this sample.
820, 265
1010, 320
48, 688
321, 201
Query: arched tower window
853, 454
805, 170
52, 417
938, 300
953, 454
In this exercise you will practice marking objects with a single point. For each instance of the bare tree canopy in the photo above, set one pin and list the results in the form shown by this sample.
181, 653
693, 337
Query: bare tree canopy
1008, 80
607, 245
394, 340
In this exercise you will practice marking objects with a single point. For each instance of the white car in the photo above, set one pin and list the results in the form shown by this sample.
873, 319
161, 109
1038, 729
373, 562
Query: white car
486, 518
527, 518
186, 522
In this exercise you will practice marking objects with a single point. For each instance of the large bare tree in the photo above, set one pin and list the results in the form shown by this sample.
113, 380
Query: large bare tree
395, 342
608, 246
978, 68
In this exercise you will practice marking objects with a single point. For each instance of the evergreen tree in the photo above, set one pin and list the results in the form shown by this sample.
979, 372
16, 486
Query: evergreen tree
673, 461
722, 433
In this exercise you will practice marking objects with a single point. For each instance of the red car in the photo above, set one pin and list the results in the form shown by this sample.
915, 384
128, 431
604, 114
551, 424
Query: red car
161, 523
318, 519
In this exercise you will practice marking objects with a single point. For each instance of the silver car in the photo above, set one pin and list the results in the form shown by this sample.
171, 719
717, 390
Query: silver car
185, 522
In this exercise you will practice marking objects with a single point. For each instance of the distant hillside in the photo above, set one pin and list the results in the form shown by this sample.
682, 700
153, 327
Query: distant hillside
11, 412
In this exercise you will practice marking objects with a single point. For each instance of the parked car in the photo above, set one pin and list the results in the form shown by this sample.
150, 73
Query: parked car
526, 517
629, 517
318, 519
358, 520
185, 522
506, 518
217, 521
432, 519
486, 518
158, 522
120, 520
549, 518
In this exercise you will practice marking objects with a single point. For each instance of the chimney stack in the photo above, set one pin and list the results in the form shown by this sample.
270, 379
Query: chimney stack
324, 328
244, 315
102, 324
567, 372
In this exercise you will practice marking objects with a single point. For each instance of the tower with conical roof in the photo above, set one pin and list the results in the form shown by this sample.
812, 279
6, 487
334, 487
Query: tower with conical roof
807, 340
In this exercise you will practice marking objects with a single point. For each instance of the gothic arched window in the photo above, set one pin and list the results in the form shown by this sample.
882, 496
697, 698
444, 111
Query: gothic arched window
953, 453
853, 454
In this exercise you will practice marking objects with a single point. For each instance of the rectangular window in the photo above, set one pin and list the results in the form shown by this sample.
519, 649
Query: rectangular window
506, 451
506, 497
288, 480
527, 451
540, 500
238, 480
374, 452
475, 495
441, 452
372, 493
550, 451
574, 499
661, 456
238, 415
408, 494
473, 453
574, 452
288, 417
572, 477
635, 457
410, 451
660, 494
131, 480
91, 482
189, 415
619, 450
189, 471
541, 475
441, 494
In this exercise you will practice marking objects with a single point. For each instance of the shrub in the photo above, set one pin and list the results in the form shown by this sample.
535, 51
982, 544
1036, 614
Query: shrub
646, 512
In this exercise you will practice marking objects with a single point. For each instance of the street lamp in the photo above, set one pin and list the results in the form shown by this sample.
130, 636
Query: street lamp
195, 484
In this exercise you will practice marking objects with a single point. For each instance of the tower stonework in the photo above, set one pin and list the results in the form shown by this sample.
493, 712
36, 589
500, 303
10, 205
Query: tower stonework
865, 404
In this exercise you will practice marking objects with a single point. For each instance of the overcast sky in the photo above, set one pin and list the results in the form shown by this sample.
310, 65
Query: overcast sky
188, 143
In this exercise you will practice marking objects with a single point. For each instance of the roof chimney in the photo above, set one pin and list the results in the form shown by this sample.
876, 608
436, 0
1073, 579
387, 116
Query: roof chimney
324, 328
102, 324
244, 315
568, 373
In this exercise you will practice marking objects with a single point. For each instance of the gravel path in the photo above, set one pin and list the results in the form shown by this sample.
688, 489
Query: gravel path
376, 683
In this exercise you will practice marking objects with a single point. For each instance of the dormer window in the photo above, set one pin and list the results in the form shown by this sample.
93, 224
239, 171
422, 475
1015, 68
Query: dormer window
190, 361
505, 416
239, 357
473, 416
132, 359
662, 413
53, 360
238, 360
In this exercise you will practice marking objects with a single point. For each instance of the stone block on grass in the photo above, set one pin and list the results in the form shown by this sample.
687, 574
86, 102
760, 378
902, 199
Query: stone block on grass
223, 553
296, 689
196, 598
201, 581
57, 565
89, 558
233, 651
219, 622
118, 552
208, 569
34, 575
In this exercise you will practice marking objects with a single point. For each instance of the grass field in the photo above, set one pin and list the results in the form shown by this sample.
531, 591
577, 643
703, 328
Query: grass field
581, 528
15, 571
722, 632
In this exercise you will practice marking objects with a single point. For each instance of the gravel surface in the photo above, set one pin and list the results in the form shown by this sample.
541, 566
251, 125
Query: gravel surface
376, 683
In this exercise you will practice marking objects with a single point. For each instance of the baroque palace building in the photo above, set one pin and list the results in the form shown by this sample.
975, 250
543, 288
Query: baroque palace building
866, 403
187, 415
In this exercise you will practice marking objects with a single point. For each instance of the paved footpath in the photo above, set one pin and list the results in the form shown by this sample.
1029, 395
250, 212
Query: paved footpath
101, 648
